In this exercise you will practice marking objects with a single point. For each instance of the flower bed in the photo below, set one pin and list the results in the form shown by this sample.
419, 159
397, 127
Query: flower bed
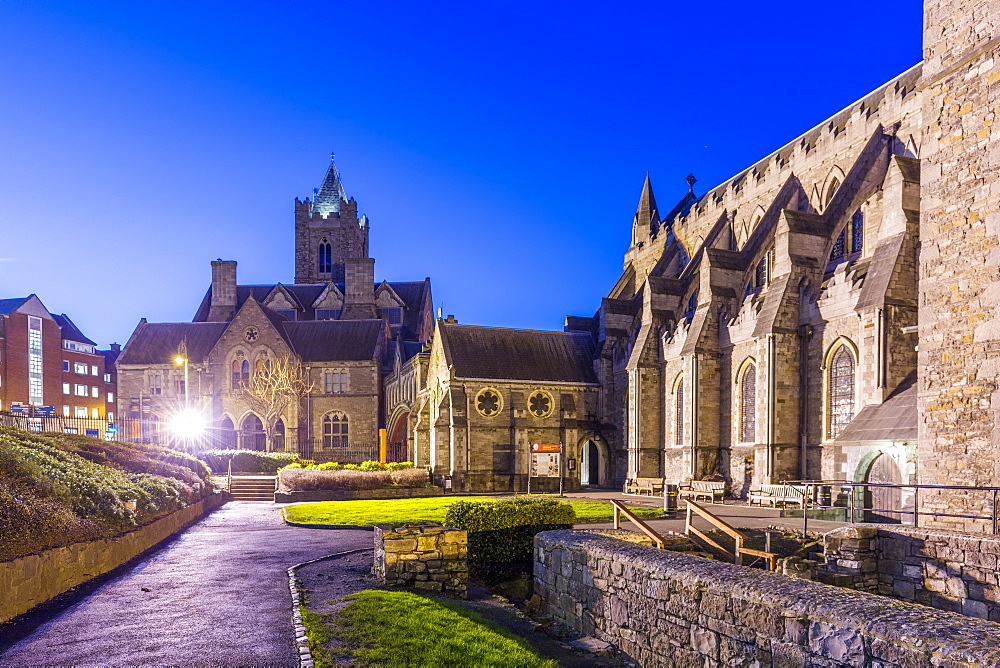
349, 477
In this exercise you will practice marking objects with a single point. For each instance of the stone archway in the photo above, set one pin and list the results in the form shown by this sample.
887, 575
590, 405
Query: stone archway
592, 458
397, 447
879, 467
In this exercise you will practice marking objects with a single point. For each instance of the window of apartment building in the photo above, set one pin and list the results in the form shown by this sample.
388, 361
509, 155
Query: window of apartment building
93, 370
328, 314
80, 411
65, 365
155, 383
840, 391
95, 391
335, 382
80, 368
111, 397
748, 404
67, 389
335, 433
34, 360
393, 315
80, 390
95, 413
82, 347
66, 412
107, 378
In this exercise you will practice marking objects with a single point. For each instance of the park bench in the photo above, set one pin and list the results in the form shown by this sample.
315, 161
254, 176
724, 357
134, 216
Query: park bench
775, 494
651, 486
713, 490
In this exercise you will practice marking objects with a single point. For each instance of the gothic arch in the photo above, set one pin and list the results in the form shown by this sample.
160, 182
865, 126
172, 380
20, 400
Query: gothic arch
746, 384
840, 386
834, 179
587, 448
677, 412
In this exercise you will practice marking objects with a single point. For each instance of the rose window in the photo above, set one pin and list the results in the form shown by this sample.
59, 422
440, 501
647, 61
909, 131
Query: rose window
488, 402
540, 404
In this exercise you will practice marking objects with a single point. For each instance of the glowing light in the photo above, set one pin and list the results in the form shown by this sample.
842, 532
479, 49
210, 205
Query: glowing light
188, 424
179, 360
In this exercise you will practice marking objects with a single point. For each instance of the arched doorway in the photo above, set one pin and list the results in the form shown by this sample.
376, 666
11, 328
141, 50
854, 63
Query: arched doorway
593, 463
227, 434
251, 434
397, 449
279, 435
882, 501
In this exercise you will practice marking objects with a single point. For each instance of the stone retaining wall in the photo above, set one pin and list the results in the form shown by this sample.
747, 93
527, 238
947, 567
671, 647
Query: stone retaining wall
33, 579
424, 556
669, 609
948, 570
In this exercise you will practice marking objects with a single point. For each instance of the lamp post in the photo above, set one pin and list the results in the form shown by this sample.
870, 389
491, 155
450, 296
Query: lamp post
183, 360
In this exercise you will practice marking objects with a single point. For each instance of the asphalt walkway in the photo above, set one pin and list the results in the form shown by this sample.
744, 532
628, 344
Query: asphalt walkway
216, 595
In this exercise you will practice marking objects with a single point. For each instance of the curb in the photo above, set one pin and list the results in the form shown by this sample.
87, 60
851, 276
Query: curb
298, 628
303, 525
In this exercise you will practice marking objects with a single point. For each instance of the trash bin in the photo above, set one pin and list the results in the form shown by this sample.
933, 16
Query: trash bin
670, 496
825, 496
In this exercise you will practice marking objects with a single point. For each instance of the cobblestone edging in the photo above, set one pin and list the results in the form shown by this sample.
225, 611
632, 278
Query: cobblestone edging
33, 579
666, 608
298, 628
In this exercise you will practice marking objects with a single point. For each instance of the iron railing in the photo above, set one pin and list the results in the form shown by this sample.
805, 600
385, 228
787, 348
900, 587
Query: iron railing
816, 491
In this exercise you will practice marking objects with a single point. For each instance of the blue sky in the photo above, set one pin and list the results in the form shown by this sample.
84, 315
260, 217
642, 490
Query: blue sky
498, 148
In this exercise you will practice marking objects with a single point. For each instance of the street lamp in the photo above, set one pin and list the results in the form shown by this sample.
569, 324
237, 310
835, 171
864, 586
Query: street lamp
183, 360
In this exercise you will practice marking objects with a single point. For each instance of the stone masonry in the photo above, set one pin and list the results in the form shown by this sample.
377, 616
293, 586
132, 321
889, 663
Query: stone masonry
424, 556
669, 609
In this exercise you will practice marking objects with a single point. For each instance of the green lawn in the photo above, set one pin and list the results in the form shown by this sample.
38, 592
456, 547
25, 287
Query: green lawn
401, 511
380, 628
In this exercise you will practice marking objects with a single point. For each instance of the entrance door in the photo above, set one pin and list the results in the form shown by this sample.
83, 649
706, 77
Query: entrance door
590, 464
884, 500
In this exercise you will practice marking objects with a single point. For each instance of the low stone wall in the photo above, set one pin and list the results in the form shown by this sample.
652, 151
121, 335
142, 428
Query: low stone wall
669, 609
356, 494
423, 556
28, 581
947, 570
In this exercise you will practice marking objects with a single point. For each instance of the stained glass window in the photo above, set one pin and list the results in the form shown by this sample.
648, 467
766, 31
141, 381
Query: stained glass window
841, 391
857, 231
748, 405
488, 403
679, 413
840, 247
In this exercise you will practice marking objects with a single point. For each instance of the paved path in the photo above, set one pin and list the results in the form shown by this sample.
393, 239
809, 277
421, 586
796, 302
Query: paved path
218, 596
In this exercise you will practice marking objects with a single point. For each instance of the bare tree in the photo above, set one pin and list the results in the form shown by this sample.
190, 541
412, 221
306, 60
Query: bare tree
274, 384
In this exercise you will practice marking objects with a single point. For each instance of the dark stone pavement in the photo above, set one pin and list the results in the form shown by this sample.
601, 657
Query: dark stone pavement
217, 596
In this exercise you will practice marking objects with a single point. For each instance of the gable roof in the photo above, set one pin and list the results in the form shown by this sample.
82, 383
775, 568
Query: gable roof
70, 332
10, 305
330, 340
158, 342
498, 353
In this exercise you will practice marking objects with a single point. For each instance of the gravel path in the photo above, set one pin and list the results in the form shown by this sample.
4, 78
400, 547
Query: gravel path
217, 595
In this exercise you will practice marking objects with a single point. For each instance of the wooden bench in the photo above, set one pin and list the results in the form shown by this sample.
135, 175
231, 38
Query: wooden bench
651, 486
775, 494
709, 489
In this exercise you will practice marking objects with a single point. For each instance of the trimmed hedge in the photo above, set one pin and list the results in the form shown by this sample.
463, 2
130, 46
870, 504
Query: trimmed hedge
247, 461
501, 534
310, 479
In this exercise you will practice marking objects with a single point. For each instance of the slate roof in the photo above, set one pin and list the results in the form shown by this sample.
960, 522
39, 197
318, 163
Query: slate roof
326, 340
158, 342
497, 353
11, 305
327, 196
70, 332
895, 419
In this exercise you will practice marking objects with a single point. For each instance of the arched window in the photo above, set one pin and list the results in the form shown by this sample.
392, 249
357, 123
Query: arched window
261, 368
279, 435
840, 391
857, 231
325, 257
236, 374
679, 413
748, 404
831, 191
335, 433
245, 371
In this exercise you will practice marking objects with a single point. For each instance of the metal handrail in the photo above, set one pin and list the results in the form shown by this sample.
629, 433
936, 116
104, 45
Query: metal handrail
814, 486
229, 477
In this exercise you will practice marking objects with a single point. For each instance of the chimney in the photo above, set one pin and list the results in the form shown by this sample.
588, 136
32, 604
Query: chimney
359, 289
116, 347
223, 290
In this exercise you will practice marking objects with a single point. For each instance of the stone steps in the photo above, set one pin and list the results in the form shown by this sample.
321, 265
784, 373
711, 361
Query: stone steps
255, 488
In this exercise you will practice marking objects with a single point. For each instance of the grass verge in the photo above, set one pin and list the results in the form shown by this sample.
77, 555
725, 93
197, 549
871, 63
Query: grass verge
433, 509
380, 628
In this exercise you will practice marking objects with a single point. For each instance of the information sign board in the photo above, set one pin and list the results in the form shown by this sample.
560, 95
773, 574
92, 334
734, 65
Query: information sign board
544, 464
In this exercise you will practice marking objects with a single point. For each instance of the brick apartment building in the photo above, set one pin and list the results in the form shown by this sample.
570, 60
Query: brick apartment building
46, 361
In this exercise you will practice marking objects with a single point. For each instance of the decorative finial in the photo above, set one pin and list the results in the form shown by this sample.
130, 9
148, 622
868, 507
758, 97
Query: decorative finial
691, 181
332, 155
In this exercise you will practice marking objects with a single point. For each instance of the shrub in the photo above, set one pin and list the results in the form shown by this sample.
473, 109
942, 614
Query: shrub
328, 466
313, 479
247, 461
398, 466
410, 477
501, 534
372, 466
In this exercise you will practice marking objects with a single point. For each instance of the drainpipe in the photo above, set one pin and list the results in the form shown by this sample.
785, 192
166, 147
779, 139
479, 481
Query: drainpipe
805, 334
694, 416
771, 388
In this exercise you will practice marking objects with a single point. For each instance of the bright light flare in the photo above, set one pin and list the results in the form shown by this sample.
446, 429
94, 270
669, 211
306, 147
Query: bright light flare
188, 424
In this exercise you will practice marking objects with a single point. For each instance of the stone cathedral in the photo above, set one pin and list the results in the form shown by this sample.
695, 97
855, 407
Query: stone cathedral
831, 312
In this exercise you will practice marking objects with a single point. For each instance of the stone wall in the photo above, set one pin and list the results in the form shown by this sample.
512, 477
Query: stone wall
952, 571
671, 609
28, 581
424, 556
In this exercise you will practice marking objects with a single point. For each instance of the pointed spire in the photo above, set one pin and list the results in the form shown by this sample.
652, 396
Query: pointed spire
328, 196
646, 213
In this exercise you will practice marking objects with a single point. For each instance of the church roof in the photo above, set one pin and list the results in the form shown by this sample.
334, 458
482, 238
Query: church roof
497, 353
158, 342
895, 419
328, 340
327, 197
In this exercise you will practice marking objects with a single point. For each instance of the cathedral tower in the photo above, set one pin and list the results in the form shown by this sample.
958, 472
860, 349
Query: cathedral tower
328, 232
